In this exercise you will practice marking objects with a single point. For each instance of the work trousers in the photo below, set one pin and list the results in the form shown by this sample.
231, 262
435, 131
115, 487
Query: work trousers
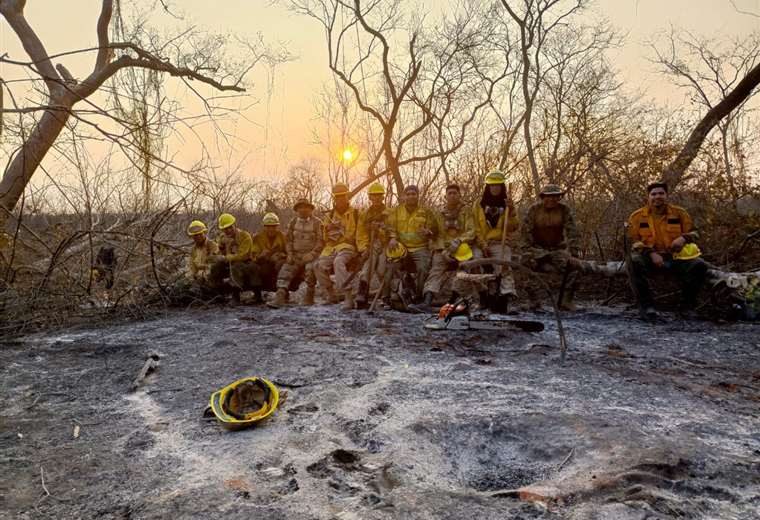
443, 272
549, 262
690, 273
336, 263
291, 275
243, 275
507, 283
421, 260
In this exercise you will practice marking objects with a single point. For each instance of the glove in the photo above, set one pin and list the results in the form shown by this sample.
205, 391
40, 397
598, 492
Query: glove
454, 246
308, 257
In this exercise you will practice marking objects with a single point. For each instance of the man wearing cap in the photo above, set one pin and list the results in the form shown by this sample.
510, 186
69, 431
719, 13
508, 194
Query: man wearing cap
339, 236
495, 218
269, 251
235, 260
550, 242
371, 239
416, 228
658, 232
458, 226
303, 244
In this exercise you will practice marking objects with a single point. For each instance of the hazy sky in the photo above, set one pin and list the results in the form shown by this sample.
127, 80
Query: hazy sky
277, 131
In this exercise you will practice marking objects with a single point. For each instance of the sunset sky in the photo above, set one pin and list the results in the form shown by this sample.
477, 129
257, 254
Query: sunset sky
276, 132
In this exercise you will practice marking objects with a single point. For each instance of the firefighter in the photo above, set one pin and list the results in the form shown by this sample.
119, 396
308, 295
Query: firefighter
235, 261
550, 242
339, 235
490, 213
269, 251
303, 244
659, 233
415, 228
371, 239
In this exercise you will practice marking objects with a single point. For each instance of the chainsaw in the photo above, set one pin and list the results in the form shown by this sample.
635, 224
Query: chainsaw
456, 316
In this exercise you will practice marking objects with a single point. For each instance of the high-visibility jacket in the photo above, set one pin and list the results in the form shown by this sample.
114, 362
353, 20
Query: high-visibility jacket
339, 231
457, 224
649, 231
197, 262
487, 233
263, 244
408, 227
372, 215
237, 248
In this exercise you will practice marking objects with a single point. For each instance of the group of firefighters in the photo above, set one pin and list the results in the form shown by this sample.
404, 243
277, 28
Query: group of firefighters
350, 249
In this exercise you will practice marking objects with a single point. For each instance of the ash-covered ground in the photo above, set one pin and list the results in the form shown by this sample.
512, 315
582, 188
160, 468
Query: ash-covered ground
384, 419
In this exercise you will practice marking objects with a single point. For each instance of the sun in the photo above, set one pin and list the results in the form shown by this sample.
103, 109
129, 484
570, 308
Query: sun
348, 155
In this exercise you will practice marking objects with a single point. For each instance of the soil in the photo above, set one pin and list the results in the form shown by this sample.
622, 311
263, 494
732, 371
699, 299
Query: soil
384, 419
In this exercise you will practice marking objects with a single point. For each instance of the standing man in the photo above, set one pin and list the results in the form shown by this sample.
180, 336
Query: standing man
490, 214
658, 232
269, 251
339, 236
235, 261
550, 242
458, 225
416, 228
303, 244
370, 240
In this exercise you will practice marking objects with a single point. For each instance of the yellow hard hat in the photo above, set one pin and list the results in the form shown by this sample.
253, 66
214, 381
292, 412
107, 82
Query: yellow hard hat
226, 220
270, 219
496, 177
224, 403
196, 227
463, 252
376, 189
688, 252
396, 253
340, 188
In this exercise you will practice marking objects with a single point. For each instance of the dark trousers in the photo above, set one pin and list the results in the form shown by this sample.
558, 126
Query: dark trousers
690, 273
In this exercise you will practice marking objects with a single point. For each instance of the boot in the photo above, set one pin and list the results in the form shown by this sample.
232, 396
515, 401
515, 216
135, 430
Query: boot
257, 296
235, 297
363, 296
567, 303
427, 299
308, 298
332, 297
280, 297
647, 313
348, 302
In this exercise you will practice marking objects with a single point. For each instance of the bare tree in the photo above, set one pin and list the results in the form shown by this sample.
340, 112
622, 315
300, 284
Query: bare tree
712, 73
410, 86
61, 92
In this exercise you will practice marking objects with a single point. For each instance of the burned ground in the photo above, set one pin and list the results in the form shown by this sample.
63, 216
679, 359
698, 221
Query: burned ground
383, 419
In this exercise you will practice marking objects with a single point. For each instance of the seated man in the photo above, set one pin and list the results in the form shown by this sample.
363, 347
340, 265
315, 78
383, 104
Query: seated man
456, 221
339, 236
269, 251
549, 240
371, 239
490, 213
235, 261
303, 244
415, 227
195, 283
658, 232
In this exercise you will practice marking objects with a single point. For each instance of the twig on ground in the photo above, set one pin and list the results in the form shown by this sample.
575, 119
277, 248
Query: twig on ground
151, 363
42, 478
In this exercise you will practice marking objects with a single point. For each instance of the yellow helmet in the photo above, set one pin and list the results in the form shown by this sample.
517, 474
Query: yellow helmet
340, 188
496, 177
463, 252
226, 220
688, 252
196, 227
397, 253
376, 189
270, 219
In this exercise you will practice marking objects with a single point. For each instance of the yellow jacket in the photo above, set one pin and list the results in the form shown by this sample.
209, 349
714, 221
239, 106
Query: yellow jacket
238, 248
366, 218
262, 244
649, 231
458, 224
408, 227
486, 233
339, 231
197, 262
